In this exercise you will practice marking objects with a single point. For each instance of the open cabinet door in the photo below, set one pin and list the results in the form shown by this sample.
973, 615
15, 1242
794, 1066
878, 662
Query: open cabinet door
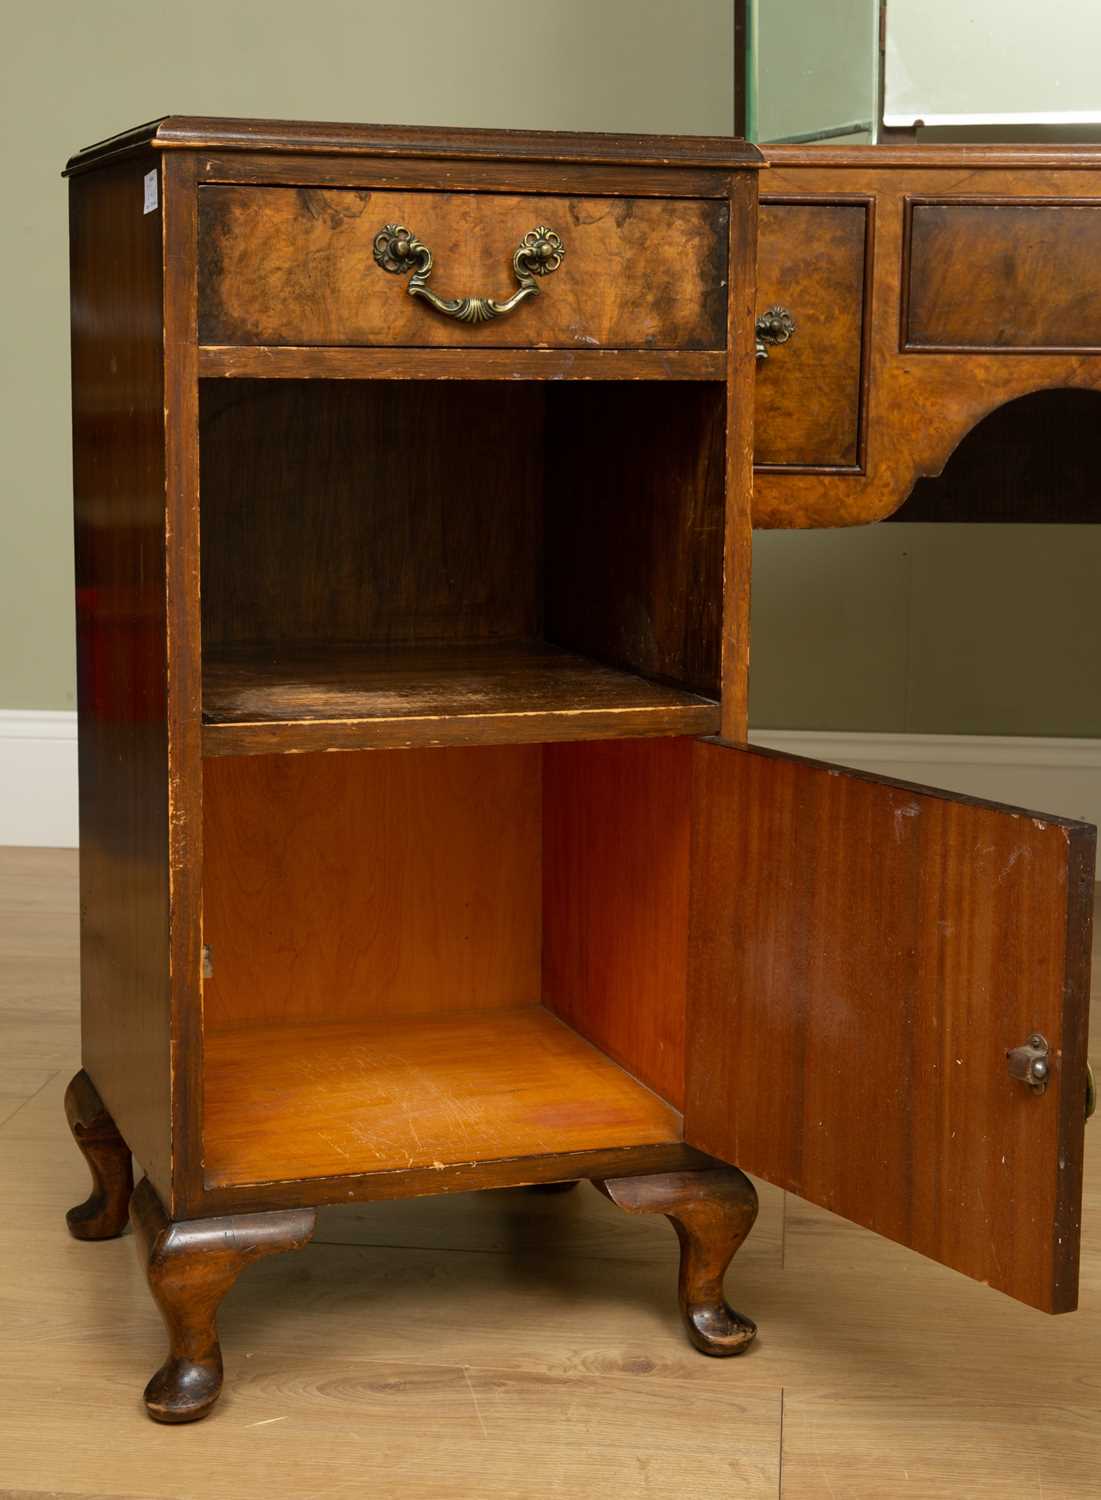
864, 954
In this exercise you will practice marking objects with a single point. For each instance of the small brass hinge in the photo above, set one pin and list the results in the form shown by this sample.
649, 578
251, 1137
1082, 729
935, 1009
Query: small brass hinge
208, 962
1030, 1063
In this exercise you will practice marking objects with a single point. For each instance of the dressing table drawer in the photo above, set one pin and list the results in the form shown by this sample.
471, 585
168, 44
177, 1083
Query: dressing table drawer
812, 259
1011, 274
325, 266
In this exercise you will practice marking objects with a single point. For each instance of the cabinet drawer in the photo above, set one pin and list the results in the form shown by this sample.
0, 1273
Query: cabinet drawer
811, 260
1010, 275
298, 266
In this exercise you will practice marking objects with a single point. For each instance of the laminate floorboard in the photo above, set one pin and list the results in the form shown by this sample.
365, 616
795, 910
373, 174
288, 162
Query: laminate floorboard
506, 1346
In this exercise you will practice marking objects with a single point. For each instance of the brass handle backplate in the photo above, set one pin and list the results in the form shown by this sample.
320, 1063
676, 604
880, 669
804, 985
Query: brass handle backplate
539, 253
773, 327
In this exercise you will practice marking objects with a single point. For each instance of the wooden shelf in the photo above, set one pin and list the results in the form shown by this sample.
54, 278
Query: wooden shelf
401, 1093
264, 362
267, 700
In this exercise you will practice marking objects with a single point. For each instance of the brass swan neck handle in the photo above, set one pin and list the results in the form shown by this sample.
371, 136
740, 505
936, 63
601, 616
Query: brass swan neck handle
398, 250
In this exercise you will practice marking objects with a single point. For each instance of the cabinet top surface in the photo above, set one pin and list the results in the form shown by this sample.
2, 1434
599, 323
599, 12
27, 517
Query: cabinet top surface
197, 132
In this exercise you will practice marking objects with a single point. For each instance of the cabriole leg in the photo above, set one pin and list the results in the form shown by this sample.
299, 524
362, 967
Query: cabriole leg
712, 1211
102, 1215
191, 1265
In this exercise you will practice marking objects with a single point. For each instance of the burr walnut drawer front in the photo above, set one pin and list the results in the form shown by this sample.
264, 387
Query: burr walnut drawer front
336, 266
811, 259
1007, 275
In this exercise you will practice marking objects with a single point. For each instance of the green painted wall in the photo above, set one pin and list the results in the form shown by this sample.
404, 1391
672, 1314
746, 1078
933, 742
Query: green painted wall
920, 628
73, 72
928, 629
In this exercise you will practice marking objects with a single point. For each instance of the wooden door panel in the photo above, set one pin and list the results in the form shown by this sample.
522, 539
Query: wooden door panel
863, 954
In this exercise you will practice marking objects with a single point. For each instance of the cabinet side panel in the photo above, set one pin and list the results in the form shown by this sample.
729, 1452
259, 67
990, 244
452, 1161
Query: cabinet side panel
119, 496
615, 914
634, 518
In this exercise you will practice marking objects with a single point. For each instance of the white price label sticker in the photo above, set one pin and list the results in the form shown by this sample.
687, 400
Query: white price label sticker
151, 192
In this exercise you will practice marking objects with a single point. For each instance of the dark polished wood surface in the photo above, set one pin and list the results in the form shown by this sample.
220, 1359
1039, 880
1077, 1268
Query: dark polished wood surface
119, 505
386, 512
1034, 460
257, 700
296, 266
634, 527
104, 1213
1002, 275
190, 1267
263, 362
204, 133
1022, 315
712, 1212
813, 257
863, 954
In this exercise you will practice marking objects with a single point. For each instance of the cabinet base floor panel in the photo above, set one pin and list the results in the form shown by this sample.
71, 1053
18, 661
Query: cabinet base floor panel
400, 1093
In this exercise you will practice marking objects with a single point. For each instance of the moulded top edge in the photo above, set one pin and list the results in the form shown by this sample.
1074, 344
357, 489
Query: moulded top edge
198, 132
974, 157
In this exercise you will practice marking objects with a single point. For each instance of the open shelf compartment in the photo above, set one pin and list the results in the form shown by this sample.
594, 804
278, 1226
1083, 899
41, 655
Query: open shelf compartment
397, 563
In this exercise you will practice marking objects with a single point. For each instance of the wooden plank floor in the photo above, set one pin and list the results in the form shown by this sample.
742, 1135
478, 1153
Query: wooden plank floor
506, 1346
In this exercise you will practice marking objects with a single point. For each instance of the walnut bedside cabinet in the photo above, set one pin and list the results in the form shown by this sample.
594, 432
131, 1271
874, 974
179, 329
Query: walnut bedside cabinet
433, 449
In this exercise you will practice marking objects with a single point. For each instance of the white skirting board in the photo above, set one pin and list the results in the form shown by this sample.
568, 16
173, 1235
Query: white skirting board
38, 780
38, 769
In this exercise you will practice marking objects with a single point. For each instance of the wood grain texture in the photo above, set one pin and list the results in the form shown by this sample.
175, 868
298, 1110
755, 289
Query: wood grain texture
119, 476
190, 1268
1035, 459
207, 133
474, 175
406, 1183
296, 265
741, 394
920, 405
183, 708
103, 1214
264, 362
258, 700
347, 887
983, 161
375, 511
712, 1212
634, 528
1003, 275
615, 893
425, 1091
871, 950
811, 261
